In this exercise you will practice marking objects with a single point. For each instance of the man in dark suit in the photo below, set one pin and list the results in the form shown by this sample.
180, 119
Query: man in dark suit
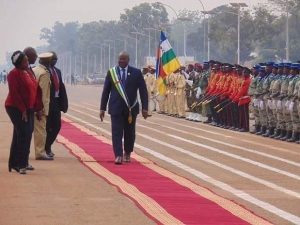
58, 103
123, 108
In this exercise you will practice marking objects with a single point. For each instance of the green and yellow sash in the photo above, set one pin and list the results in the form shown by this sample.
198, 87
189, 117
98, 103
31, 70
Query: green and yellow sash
121, 90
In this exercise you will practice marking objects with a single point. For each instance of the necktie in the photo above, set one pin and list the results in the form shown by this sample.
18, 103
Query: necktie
123, 76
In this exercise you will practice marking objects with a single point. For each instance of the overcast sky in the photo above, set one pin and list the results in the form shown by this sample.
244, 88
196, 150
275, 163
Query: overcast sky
22, 20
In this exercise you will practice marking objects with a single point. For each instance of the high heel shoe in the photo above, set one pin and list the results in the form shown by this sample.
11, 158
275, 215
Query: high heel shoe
23, 171
13, 168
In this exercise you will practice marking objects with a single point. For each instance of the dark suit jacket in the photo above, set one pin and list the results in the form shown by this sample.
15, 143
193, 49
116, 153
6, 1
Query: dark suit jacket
134, 82
63, 97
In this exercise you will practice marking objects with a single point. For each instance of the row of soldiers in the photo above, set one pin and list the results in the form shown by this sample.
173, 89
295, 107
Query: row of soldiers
275, 91
173, 102
219, 91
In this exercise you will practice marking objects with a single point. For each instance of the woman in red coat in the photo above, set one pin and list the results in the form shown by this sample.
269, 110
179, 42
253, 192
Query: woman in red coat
20, 106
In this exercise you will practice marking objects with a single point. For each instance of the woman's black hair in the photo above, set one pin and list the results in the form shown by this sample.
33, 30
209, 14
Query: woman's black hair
17, 58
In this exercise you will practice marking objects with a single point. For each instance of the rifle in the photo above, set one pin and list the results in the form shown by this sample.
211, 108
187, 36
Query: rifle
221, 103
225, 106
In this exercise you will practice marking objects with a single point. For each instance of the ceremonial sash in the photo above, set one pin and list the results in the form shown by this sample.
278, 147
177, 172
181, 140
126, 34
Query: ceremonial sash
121, 90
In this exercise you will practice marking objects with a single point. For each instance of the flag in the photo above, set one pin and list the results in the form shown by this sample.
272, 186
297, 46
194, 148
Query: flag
166, 63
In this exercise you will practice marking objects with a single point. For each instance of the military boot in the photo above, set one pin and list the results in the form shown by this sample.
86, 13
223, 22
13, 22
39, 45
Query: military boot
262, 130
287, 136
281, 135
276, 133
269, 132
295, 137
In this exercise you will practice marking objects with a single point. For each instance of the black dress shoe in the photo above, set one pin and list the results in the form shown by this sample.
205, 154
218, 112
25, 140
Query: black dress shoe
14, 168
126, 158
44, 158
29, 167
23, 171
50, 154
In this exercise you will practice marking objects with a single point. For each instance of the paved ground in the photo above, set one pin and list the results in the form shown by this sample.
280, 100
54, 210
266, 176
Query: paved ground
61, 192
261, 174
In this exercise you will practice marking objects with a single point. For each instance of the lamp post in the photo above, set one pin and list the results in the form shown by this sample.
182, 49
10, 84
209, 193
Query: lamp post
287, 43
109, 56
239, 6
184, 20
208, 32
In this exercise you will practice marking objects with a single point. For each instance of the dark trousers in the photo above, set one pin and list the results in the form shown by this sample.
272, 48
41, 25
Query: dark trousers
235, 115
244, 116
121, 128
53, 125
22, 134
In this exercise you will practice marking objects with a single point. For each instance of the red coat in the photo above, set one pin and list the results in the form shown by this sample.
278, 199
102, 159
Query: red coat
241, 96
22, 90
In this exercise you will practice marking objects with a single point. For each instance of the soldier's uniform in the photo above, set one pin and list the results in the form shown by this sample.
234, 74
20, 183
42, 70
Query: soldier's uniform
171, 103
291, 114
180, 94
43, 77
297, 102
274, 93
259, 92
267, 86
151, 86
281, 110
252, 89
212, 85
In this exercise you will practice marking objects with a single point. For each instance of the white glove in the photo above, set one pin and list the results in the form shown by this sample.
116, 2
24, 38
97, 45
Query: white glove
255, 102
198, 92
269, 103
261, 105
189, 82
291, 106
287, 104
273, 104
278, 105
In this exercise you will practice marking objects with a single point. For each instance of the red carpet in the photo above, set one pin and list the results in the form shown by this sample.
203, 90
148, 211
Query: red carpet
179, 201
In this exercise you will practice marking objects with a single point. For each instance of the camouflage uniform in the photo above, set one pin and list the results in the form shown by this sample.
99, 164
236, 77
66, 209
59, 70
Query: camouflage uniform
267, 86
259, 93
281, 110
252, 90
292, 117
275, 92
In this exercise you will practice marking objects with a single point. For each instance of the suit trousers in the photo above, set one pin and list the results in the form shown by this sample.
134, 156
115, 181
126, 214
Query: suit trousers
53, 126
40, 135
122, 129
20, 145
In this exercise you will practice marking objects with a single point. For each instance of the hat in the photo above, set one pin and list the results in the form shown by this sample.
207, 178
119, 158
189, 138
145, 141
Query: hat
246, 69
280, 65
269, 63
262, 69
287, 65
256, 66
45, 55
295, 66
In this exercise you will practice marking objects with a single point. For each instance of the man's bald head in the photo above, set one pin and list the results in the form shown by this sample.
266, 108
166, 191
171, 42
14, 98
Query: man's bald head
123, 59
31, 54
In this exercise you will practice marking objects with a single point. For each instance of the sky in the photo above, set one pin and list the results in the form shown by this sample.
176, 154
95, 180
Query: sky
22, 20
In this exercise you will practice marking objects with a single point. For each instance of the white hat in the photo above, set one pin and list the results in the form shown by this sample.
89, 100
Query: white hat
45, 55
